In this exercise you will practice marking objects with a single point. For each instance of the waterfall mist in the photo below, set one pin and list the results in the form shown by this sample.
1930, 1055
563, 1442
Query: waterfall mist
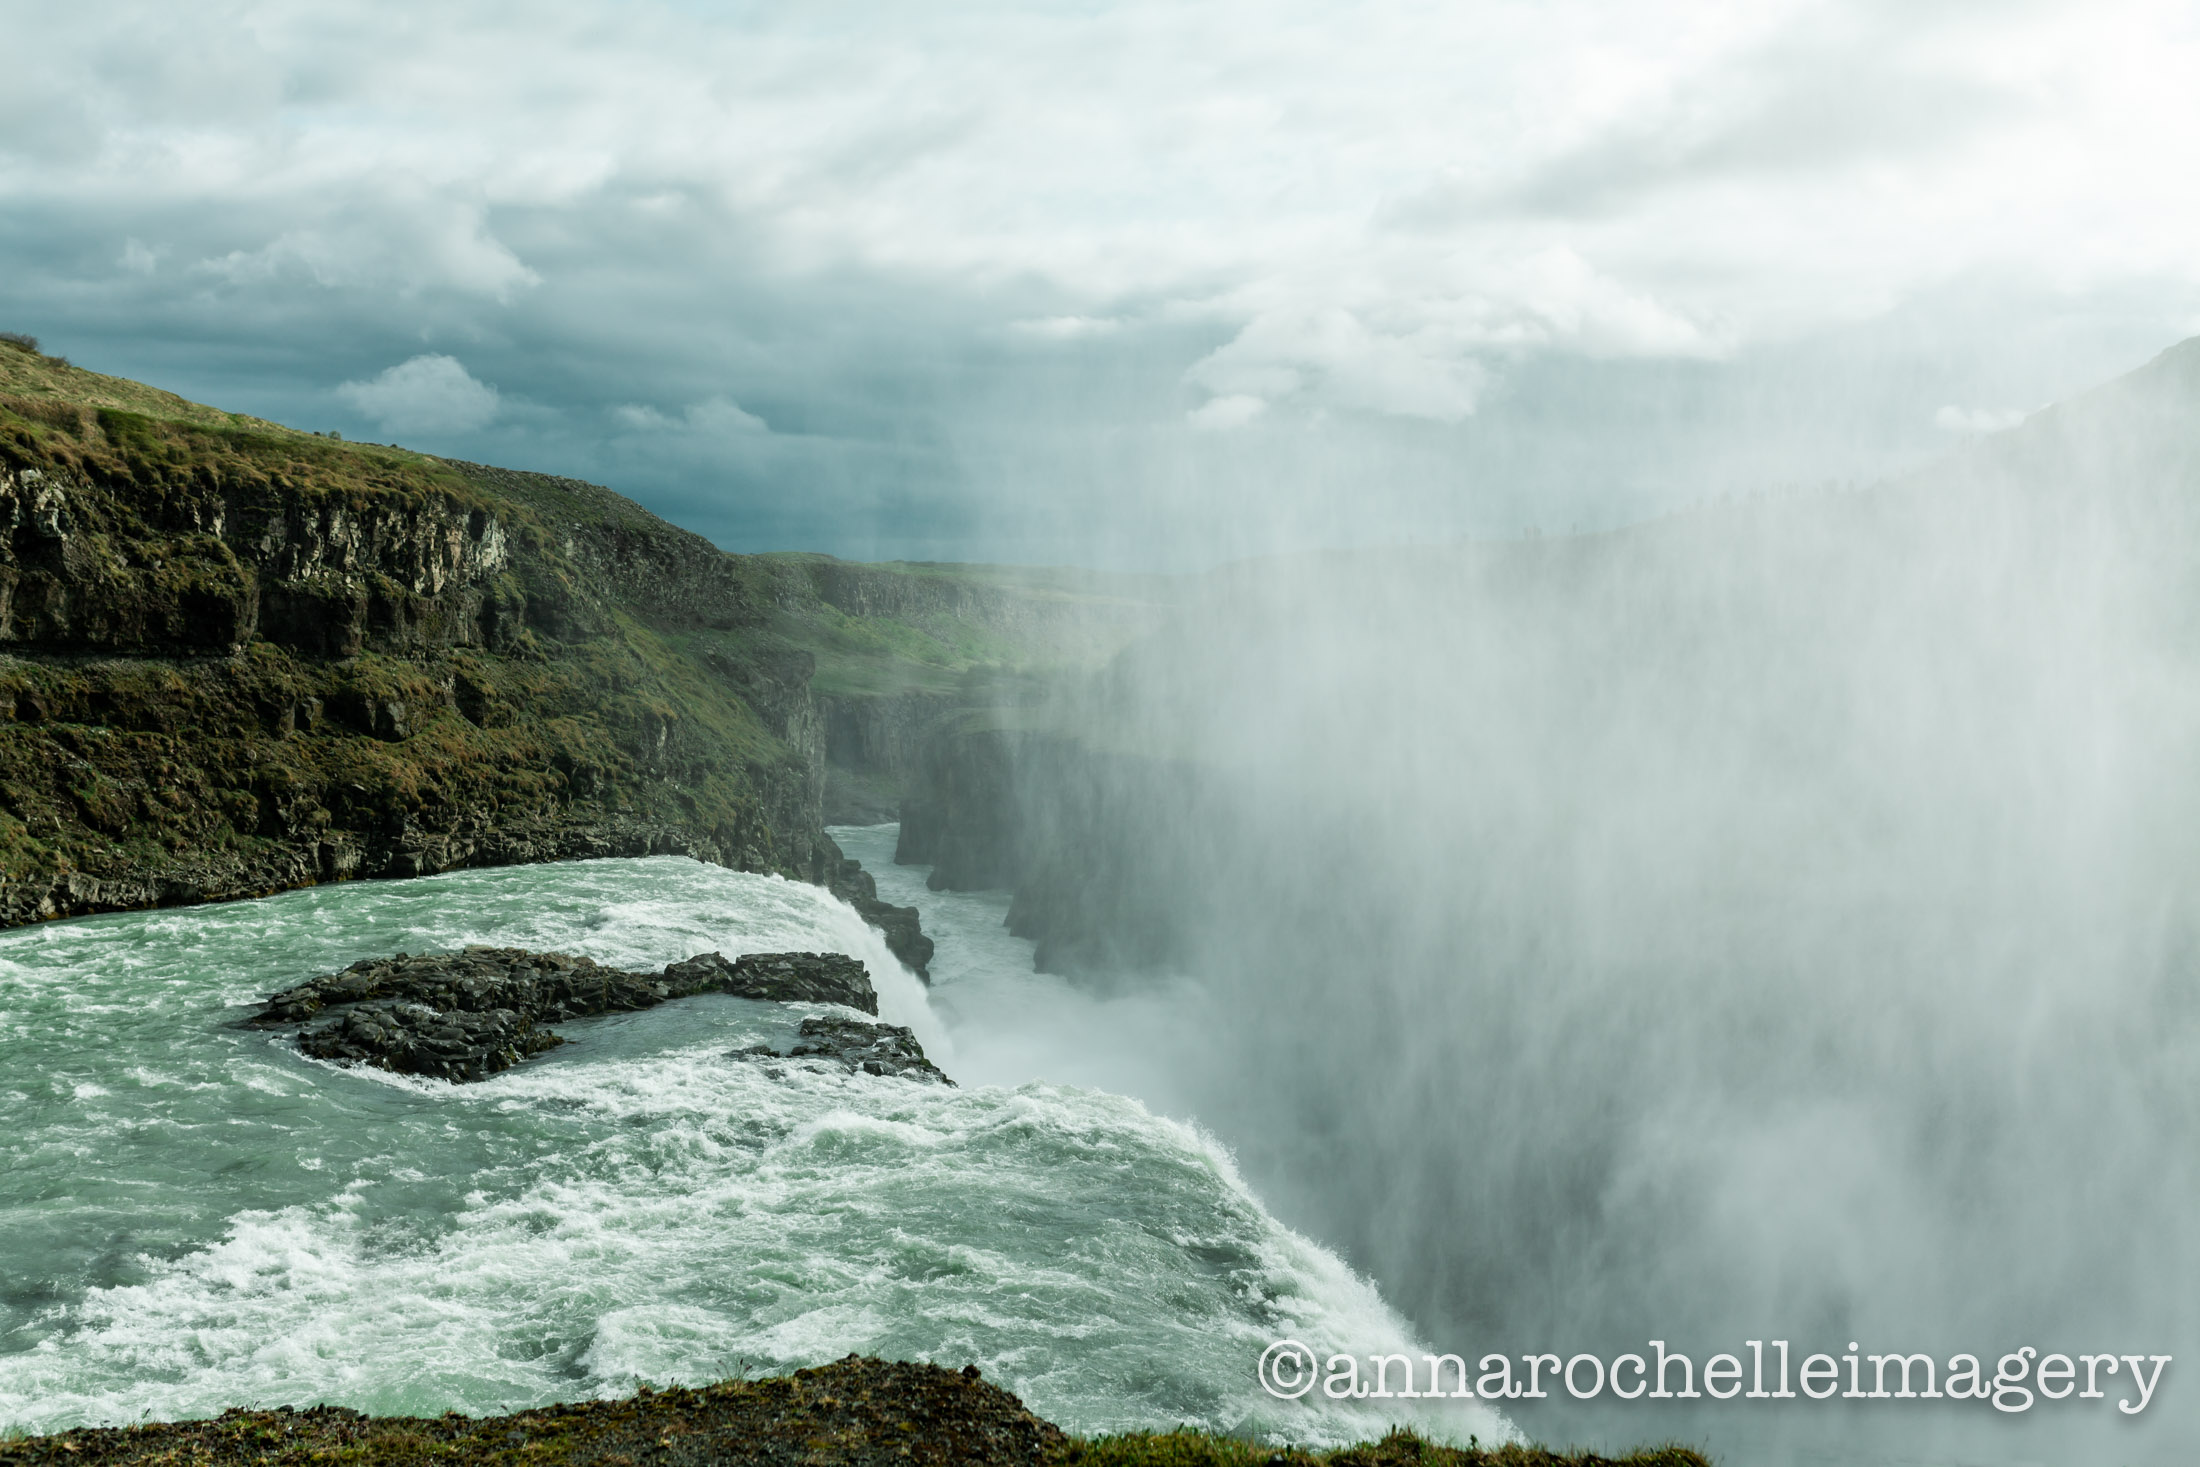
1775, 922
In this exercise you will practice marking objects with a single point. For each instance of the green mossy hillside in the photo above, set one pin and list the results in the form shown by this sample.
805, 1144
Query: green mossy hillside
911, 627
235, 657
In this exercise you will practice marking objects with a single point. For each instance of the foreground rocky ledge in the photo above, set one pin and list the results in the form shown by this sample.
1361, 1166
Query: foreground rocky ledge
468, 1015
852, 1411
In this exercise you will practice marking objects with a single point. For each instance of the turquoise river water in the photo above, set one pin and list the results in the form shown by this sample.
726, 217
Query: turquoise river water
193, 1217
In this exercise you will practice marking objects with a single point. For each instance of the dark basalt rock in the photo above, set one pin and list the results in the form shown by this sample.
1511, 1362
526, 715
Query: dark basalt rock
467, 1015
845, 878
875, 1049
414, 1039
785, 977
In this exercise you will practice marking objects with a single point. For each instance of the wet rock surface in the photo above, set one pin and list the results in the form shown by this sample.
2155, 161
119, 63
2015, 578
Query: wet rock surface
901, 926
874, 1049
468, 1015
415, 1039
785, 977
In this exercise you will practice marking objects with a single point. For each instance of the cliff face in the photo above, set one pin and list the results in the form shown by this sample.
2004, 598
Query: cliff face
213, 572
967, 818
1034, 614
886, 735
874, 749
236, 658
1101, 849
906, 651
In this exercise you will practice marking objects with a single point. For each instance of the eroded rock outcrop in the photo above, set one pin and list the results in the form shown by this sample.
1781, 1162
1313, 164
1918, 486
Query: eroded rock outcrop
468, 1015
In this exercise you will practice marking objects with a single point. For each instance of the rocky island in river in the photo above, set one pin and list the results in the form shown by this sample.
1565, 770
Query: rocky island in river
467, 1015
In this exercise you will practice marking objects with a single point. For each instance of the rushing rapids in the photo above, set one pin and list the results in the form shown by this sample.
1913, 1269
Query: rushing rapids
197, 1216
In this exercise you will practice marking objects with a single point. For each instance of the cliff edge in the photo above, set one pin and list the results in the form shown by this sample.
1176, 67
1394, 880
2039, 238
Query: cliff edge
236, 657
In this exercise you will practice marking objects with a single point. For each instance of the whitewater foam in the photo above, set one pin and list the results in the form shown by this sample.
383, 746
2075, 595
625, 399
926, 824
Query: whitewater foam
199, 1218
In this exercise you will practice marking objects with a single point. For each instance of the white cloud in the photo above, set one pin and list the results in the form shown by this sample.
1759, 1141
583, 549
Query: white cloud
429, 394
1328, 355
640, 418
716, 417
1761, 166
1233, 411
1065, 328
722, 416
139, 258
405, 245
1418, 339
1953, 419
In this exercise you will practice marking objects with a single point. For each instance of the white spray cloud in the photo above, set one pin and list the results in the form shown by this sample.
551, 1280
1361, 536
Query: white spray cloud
431, 393
1234, 410
1953, 419
1772, 921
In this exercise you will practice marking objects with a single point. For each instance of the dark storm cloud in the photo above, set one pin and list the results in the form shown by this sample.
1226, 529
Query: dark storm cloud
1140, 282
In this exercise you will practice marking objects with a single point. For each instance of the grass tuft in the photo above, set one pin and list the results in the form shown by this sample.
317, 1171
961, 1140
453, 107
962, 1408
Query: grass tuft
1188, 1448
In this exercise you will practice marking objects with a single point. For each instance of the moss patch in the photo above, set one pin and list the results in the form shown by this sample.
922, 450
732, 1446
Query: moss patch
852, 1411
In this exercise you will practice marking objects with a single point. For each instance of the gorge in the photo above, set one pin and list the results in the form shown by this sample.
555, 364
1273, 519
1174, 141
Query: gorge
1768, 922
583, 752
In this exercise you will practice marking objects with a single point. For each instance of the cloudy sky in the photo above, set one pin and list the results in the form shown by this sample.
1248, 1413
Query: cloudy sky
1113, 283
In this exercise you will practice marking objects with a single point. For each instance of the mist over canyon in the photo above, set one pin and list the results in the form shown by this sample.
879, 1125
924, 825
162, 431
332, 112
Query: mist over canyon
1494, 680
1774, 922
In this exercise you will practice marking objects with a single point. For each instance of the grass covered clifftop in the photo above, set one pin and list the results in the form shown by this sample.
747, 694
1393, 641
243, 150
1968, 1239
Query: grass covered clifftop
244, 658
236, 657
917, 627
